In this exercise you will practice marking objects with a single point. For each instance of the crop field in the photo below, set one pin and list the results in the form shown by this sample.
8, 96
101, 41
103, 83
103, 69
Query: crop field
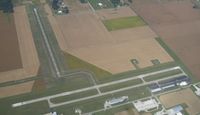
16, 89
177, 22
93, 56
185, 96
115, 49
9, 47
29, 59
123, 23
106, 14
105, 4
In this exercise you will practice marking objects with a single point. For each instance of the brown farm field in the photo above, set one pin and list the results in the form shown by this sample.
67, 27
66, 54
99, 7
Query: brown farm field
16, 89
84, 35
9, 47
28, 54
185, 96
106, 14
178, 24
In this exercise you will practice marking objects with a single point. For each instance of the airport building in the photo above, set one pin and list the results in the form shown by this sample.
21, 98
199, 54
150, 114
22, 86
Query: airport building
146, 105
177, 110
111, 102
170, 83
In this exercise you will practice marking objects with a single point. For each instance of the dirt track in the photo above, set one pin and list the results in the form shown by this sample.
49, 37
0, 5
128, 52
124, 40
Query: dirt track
9, 47
84, 35
178, 24
27, 49
185, 96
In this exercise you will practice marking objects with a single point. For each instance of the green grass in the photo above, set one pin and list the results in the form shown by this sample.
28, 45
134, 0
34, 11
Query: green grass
86, 105
162, 75
106, 4
134, 93
137, 72
74, 96
121, 85
37, 108
32, 109
98, 102
78, 64
122, 23
57, 86
112, 111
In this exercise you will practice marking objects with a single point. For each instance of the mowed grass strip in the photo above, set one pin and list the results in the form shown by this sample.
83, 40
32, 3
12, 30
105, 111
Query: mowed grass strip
162, 75
105, 4
30, 109
98, 102
74, 96
121, 85
122, 23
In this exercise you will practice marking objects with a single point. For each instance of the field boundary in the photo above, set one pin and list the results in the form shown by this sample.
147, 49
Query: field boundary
175, 57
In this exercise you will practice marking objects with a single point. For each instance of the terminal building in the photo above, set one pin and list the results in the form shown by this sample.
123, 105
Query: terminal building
146, 105
177, 110
170, 83
111, 102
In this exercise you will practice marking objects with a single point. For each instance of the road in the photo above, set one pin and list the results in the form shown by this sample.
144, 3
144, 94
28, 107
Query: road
98, 86
111, 92
129, 102
47, 43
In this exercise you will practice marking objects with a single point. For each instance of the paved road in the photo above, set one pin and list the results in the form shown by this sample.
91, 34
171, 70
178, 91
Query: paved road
129, 102
98, 86
111, 92
47, 43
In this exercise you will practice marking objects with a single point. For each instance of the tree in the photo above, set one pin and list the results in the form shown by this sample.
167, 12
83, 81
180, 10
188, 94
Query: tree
6, 6
130, 1
115, 2
55, 4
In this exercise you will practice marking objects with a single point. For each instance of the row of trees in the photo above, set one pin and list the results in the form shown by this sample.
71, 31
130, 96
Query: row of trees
115, 2
55, 4
6, 6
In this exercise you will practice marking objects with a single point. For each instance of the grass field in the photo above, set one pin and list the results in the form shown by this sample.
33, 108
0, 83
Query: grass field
120, 85
138, 72
106, 4
162, 75
31, 109
122, 23
98, 102
78, 64
112, 111
74, 96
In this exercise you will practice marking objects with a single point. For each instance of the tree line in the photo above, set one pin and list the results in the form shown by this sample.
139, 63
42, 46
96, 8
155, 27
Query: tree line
6, 6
